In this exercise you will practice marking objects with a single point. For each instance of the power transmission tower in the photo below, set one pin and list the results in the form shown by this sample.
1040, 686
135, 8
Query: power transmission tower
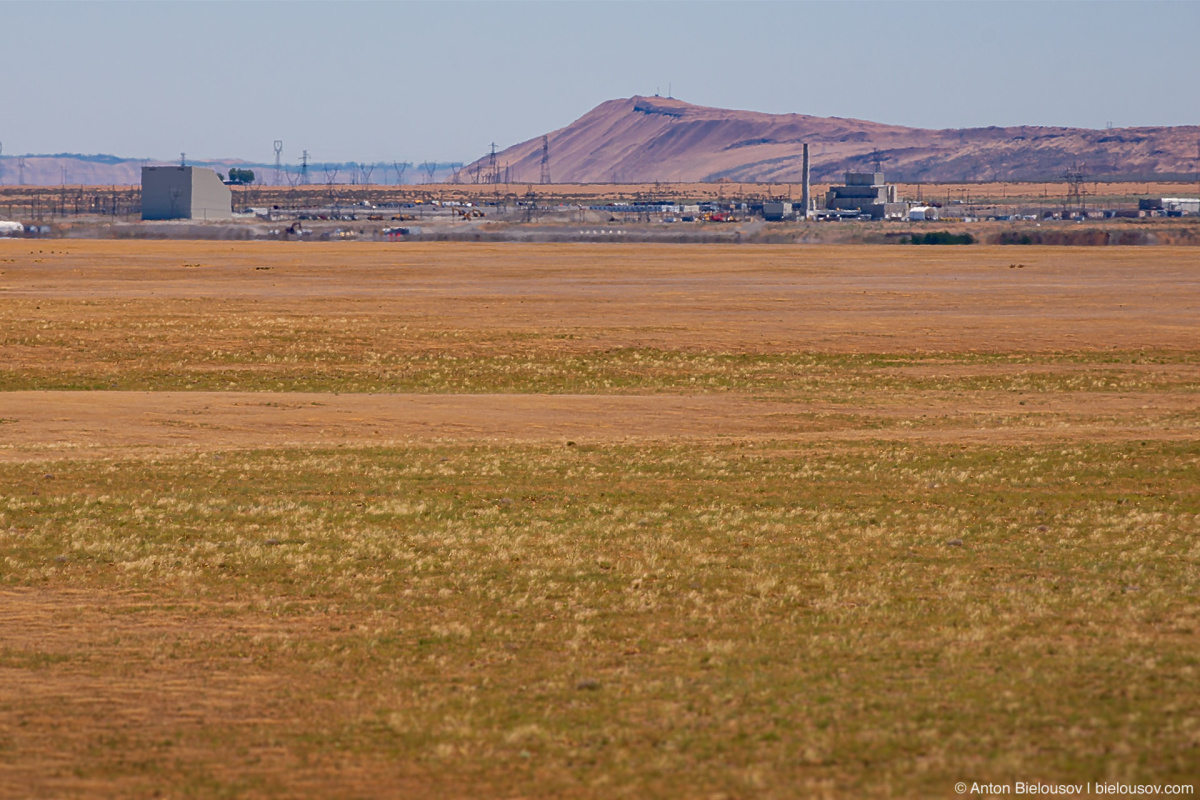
430, 168
400, 167
1075, 188
183, 159
493, 175
367, 169
545, 159
278, 179
21, 169
304, 168
330, 180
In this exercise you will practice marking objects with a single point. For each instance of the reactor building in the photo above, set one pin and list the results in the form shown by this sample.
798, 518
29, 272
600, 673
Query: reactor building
185, 193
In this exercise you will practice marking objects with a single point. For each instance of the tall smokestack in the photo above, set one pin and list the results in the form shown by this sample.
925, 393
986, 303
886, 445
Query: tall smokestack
804, 201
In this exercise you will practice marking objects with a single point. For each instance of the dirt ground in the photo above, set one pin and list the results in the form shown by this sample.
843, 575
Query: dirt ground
49, 425
582, 300
761, 299
140, 657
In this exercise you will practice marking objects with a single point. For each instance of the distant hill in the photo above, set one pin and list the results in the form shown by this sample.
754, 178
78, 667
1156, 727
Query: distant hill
646, 139
89, 170
76, 169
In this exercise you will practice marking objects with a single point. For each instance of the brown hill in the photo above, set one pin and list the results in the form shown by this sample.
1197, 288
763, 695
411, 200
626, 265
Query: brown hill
646, 139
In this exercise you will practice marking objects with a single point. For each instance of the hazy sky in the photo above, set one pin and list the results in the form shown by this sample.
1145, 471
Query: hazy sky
380, 81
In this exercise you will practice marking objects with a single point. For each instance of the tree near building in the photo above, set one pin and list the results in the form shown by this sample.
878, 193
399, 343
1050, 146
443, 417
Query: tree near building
241, 176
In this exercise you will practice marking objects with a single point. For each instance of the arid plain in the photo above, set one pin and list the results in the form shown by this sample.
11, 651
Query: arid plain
449, 520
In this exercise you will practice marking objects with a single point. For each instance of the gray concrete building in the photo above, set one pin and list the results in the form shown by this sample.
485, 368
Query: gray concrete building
867, 193
776, 211
1170, 205
184, 193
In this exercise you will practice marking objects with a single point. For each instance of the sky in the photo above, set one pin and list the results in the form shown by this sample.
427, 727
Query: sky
383, 81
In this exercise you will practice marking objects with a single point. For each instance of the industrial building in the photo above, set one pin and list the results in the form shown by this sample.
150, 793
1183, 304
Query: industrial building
1170, 206
184, 193
868, 194
776, 211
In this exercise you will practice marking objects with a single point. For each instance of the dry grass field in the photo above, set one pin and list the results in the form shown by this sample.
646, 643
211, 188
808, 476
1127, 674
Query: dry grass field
354, 520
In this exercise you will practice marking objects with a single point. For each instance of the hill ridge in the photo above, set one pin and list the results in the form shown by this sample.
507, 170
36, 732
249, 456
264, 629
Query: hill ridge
642, 139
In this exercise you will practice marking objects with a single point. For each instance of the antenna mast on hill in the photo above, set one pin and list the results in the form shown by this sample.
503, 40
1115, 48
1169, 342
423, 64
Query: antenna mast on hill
278, 179
545, 159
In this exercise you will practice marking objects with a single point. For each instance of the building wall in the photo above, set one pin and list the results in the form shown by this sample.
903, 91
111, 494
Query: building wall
184, 193
864, 178
166, 193
211, 198
776, 211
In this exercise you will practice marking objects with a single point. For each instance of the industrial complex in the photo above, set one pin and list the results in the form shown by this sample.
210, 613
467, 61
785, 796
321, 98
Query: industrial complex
242, 207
